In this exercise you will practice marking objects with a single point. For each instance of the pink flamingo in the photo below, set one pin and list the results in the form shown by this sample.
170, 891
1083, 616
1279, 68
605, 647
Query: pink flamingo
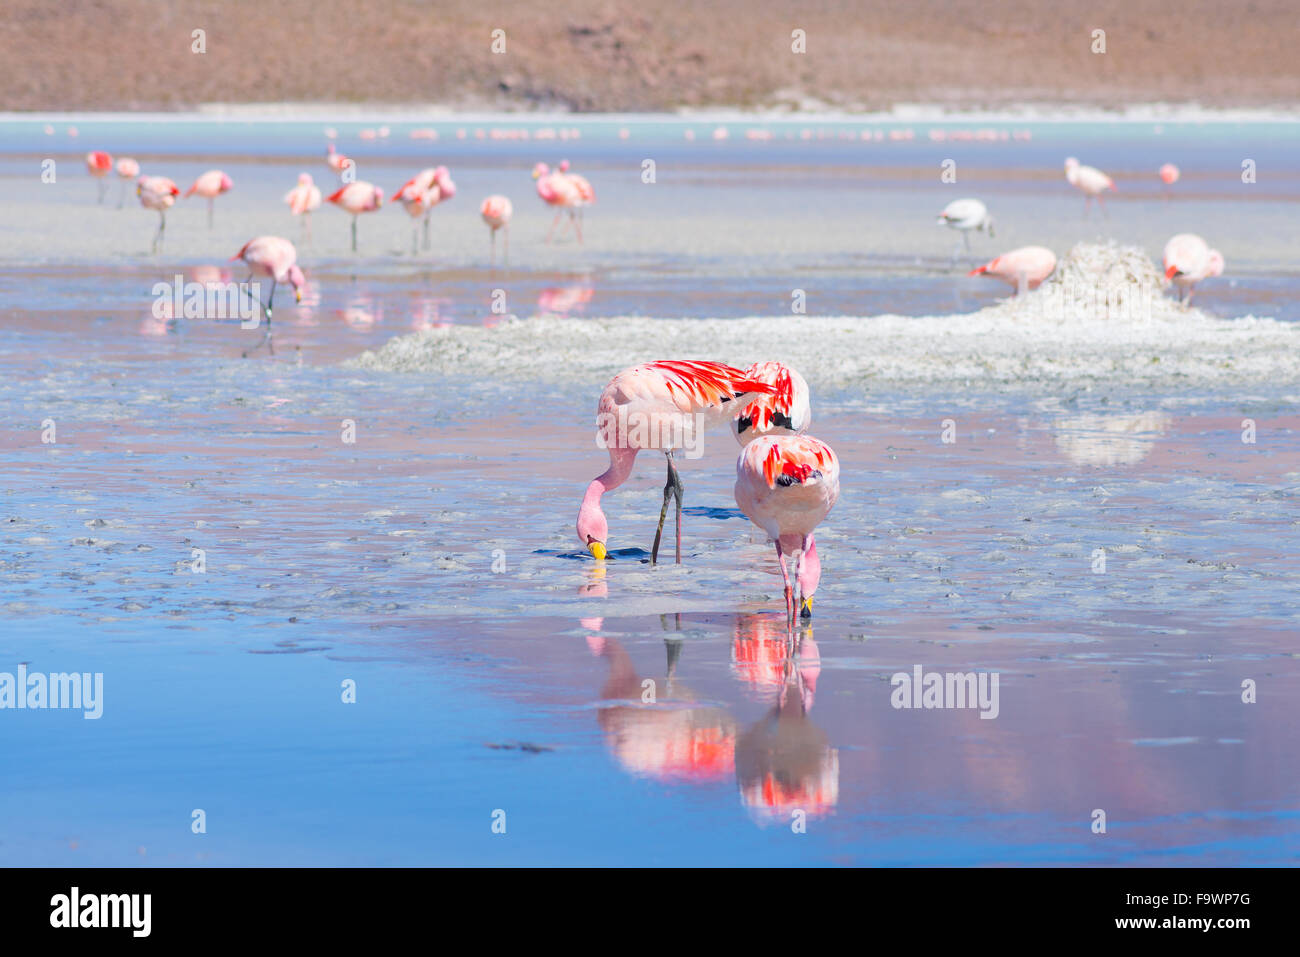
1024, 268
586, 194
423, 191
1189, 259
357, 198
275, 258
1169, 174
303, 199
1089, 179
99, 164
337, 161
556, 189
787, 411
786, 485
661, 405
127, 170
157, 192
496, 212
210, 185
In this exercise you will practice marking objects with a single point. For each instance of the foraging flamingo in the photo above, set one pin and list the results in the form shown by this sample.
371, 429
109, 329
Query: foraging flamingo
786, 485
966, 215
357, 198
303, 199
787, 411
496, 212
127, 170
157, 192
1024, 268
1189, 259
558, 190
660, 405
337, 161
210, 185
99, 164
1089, 179
275, 258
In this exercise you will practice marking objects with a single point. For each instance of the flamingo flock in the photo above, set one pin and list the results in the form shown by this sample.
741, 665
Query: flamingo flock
786, 481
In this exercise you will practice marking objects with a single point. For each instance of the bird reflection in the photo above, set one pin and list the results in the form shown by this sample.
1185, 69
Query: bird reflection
659, 728
565, 299
1109, 440
784, 762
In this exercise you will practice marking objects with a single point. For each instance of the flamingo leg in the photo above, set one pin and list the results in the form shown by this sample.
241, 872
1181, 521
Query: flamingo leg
210, 214
1102, 204
426, 230
577, 226
415, 240
505, 258
266, 307
672, 489
554, 222
789, 595
677, 492
796, 593
354, 234
493, 234
158, 236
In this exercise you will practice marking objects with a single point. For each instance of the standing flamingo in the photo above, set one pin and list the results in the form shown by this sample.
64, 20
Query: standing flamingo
966, 215
99, 164
660, 405
127, 170
1189, 259
275, 258
496, 212
787, 411
558, 190
357, 198
786, 485
1024, 268
337, 161
157, 192
1089, 179
1169, 174
303, 199
210, 185
423, 191
586, 195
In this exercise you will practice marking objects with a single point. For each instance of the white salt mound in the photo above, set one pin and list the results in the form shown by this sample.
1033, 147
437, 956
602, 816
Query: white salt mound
1101, 318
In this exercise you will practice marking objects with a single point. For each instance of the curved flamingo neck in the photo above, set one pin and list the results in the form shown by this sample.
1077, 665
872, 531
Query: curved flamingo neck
620, 468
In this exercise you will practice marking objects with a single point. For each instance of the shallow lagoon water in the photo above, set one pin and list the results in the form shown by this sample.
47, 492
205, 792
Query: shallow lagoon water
480, 690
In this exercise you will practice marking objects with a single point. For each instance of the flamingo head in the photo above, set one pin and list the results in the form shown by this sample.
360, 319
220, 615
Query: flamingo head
540, 170
1071, 163
1215, 265
1171, 271
379, 197
298, 281
564, 166
593, 530
304, 179
226, 183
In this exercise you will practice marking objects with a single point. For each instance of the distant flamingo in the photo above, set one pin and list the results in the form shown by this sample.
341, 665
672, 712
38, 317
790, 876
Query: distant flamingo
303, 199
496, 212
1169, 174
423, 191
1189, 259
357, 198
157, 192
1092, 181
1023, 268
787, 411
586, 195
660, 405
786, 485
558, 190
276, 259
337, 161
966, 215
210, 185
127, 170
99, 164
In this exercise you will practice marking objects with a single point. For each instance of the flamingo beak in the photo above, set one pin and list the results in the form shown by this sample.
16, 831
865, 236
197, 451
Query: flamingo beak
297, 294
806, 612
1171, 272
597, 550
